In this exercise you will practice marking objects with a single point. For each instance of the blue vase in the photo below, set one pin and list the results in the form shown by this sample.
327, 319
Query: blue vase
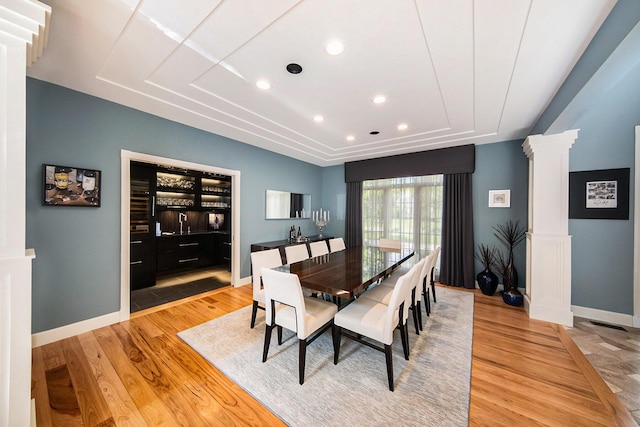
513, 297
487, 281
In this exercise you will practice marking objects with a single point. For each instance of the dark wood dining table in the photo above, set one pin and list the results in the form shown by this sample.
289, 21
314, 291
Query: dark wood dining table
346, 273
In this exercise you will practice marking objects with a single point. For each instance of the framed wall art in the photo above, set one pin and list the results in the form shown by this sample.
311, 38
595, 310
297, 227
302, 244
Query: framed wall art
599, 194
499, 198
70, 186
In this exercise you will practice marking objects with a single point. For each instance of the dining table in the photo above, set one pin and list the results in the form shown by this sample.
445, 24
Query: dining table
346, 273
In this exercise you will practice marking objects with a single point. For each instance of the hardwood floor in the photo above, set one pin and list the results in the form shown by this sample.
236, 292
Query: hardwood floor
139, 373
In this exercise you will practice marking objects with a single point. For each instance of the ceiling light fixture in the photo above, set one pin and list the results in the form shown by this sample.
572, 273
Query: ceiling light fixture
351, 138
335, 47
374, 132
379, 99
263, 84
318, 118
294, 68
402, 126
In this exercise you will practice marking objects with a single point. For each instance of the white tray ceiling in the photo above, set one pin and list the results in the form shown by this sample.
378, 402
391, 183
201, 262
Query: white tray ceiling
455, 72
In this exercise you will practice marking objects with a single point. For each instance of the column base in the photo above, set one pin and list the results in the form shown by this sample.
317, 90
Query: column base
557, 315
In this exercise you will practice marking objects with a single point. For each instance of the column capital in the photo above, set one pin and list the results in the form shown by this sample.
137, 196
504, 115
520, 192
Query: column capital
558, 141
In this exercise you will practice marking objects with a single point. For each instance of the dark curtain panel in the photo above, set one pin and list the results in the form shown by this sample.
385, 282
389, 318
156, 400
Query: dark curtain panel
353, 223
456, 260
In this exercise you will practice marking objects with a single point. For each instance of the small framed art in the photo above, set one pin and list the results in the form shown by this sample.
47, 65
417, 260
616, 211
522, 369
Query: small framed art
499, 198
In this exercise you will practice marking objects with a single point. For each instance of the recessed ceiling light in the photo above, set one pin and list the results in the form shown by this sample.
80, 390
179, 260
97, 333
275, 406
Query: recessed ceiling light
374, 132
263, 84
402, 126
294, 68
318, 118
351, 138
379, 99
335, 47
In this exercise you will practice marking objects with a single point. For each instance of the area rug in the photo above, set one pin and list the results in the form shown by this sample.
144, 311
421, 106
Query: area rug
432, 388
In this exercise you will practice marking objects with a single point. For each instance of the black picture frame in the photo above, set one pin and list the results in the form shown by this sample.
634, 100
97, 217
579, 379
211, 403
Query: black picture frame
599, 194
71, 186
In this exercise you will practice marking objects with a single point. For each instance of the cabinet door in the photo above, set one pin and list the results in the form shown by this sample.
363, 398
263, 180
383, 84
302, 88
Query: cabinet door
142, 265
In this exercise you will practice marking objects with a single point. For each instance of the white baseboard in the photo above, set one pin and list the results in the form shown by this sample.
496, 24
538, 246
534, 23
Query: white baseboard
604, 316
52, 335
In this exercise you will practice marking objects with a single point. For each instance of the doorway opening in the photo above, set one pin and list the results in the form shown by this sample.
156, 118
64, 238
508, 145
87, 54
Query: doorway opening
190, 255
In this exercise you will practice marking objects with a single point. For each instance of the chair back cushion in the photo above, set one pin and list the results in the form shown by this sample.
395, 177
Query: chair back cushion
296, 253
426, 265
269, 259
401, 294
318, 248
337, 244
284, 288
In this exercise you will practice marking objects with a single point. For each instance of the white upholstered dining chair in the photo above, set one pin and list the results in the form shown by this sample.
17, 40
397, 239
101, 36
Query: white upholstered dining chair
390, 244
382, 292
372, 319
336, 244
318, 248
296, 253
269, 259
286, 307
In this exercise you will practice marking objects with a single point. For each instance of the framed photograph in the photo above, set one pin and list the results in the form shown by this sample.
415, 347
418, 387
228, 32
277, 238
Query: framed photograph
70, 186
599, 194
499, 198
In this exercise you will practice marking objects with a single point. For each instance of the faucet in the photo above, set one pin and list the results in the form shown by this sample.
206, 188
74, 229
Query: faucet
181, 217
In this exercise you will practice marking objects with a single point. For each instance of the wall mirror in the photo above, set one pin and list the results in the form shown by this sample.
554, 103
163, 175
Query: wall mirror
286, 205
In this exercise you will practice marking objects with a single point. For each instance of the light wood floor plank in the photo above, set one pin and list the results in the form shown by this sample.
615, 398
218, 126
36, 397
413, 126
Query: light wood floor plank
524, 373
122, 409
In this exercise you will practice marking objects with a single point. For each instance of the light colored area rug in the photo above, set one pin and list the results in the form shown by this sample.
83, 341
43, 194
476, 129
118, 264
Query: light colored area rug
432, 388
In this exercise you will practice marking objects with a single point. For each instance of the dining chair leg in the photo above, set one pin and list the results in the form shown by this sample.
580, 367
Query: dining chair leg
413, 310
404, 336
336, 332
279, 335
254, 311
267, 340
302, 346
389, 359
419, 309
433, 287
427, 298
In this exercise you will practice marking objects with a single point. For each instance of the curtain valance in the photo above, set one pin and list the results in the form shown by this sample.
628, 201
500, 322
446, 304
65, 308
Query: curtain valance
451, 160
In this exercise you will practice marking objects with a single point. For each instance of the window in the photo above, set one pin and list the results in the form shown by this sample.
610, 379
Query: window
408, 209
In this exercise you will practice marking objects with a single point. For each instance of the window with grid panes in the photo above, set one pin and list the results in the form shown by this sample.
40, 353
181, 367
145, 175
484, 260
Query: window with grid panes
408, 209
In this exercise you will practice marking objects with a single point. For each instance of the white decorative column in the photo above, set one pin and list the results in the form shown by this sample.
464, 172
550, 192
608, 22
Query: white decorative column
23, 31
548, 292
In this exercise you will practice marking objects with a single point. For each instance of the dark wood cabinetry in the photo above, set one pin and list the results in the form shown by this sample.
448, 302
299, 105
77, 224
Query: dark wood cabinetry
142, 253
142, 263
179, 220
179, 253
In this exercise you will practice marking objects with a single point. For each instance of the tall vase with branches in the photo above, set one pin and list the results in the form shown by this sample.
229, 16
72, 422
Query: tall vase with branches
510, 234
487, 280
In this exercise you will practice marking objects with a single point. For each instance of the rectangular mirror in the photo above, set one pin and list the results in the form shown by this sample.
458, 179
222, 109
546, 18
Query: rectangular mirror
286, 205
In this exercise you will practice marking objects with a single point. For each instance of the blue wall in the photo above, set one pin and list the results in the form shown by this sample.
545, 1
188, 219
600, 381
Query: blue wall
76, 273
500, 166
602, 250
